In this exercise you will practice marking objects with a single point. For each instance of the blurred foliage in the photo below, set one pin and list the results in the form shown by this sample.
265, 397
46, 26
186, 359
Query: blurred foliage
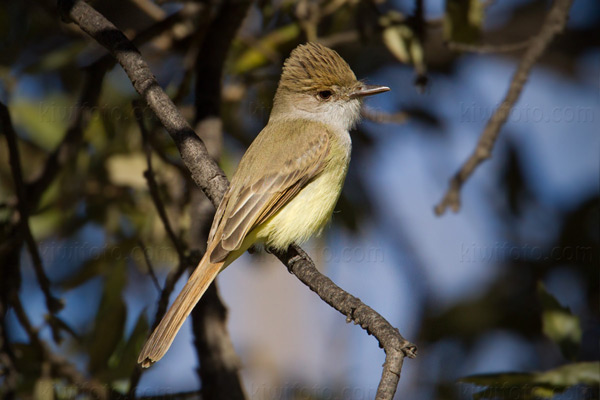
537, 385
463, 20
91, 217
559, 324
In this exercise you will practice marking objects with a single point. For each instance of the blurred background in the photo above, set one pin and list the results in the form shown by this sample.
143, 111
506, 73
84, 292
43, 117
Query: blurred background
501, 298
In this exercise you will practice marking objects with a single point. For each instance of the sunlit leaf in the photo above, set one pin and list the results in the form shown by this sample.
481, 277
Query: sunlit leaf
127, 170
395, 39
256, 57
559, 324
44, 121
404, 44
463, 20
586, 373
58, 58
43, 389
46, 223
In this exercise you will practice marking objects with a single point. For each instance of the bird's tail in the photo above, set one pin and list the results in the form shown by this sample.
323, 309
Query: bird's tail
162, 337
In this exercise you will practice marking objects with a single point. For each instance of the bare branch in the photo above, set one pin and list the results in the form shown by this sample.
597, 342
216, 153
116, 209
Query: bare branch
390, 339
70, 144
153, 185
150, 267
52, 303
204, 170
184, 263
379, 116
555, 23
8, 369
488, 48
163, 302
60, 367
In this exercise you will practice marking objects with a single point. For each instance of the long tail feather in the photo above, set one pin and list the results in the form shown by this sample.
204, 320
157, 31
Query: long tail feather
162, 337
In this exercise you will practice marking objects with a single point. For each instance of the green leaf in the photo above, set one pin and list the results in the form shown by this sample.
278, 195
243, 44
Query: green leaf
463, 20
586, 373
45, 122
124, 359
257, 56
535, 384
559, 324
96, 265
395, 39
110, 320
403, 43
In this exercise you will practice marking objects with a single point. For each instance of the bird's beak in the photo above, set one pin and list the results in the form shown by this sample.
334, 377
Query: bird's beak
368, 90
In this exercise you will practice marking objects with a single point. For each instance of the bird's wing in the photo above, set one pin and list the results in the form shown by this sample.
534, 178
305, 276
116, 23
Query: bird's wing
253, 198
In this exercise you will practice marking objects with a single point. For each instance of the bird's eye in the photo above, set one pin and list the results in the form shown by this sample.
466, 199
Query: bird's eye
325, 94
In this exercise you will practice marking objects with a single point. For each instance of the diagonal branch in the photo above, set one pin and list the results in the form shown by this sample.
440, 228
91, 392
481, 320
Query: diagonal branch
88, 100
204, 170
153, 185
554, 24
212, 181
390, 339
59, 366
489, 48
52, 303
71, 142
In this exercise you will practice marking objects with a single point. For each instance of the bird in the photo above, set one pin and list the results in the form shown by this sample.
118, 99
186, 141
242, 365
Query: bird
287, 184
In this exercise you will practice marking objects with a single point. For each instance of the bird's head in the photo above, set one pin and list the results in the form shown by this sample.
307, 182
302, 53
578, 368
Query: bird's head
316, 83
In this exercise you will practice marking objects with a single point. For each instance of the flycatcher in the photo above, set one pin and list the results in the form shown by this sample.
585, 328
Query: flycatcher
288, 181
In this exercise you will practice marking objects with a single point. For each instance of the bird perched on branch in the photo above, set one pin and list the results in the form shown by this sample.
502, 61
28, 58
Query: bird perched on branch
288, 181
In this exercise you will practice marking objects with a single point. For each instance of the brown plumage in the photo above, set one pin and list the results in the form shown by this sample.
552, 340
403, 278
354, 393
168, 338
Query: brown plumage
313, 67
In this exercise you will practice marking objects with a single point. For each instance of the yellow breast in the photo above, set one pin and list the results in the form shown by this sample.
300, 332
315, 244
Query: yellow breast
310, 210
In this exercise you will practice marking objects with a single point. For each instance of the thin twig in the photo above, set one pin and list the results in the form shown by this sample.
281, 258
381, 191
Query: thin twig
184, 263
488, 48
8, 360
378, 116
52, 303
213, 182
555, 23
161, 309
149, 265
60, 366
72, 140
205, 171
153, 185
